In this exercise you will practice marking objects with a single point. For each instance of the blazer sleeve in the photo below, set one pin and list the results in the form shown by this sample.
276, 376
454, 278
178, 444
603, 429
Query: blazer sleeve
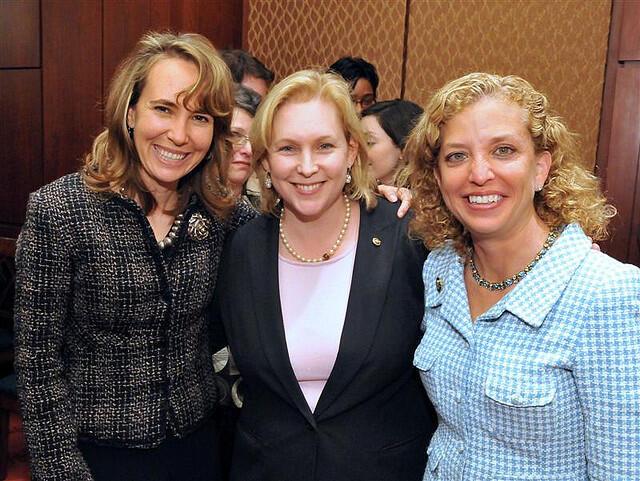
607, 373
43, 291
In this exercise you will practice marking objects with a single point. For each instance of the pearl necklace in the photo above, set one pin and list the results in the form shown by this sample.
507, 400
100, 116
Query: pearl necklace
172, 234
514, 279
327, 255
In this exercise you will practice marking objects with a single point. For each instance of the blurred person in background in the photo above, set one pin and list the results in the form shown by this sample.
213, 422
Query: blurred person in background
387, 125
362, 77
248, 70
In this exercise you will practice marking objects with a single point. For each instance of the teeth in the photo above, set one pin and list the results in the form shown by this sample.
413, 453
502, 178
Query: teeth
484, 199
169, 155
307, 188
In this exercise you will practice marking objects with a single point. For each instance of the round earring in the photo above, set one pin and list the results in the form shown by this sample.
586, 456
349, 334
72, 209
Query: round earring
538, 188
130, 131
347, 179
267, 181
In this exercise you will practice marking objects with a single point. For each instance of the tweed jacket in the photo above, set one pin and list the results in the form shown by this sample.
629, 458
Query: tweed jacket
111, 340
545, 385
372, 421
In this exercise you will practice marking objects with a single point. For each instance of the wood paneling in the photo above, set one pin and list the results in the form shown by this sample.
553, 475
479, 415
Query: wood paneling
72, 82
21, 141
619, 141
125, 21
630, 31
622, 173
19, 33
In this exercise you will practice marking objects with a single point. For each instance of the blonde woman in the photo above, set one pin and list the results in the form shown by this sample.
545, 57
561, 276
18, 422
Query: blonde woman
323, 318
531, 346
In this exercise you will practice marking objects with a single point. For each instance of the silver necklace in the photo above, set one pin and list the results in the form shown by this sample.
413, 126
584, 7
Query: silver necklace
514, 279
327, 255
172, 234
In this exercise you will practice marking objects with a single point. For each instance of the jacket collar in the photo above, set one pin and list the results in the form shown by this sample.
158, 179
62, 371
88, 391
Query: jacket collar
530, 301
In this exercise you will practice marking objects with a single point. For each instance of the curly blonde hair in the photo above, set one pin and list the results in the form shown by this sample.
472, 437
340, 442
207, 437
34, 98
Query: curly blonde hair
570, 194
303, 86
113, 164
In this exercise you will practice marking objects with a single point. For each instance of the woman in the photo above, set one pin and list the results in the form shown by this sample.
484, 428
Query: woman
115, 267
322, 322
387, 125
531, 349
361, 76
239, 168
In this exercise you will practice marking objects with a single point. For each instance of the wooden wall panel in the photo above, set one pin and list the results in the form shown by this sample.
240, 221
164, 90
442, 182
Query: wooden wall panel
630, 31
125, 21
72, 82
290, 35
624, 165
560, 47
19, 33
21, 141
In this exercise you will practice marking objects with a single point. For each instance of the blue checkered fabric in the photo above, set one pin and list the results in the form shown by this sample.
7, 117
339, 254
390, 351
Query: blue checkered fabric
545, 385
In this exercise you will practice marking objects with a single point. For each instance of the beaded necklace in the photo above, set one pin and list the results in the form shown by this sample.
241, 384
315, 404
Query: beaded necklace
514, 279
327, 255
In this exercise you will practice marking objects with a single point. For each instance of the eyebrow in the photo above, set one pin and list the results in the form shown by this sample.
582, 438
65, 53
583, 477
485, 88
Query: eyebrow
171, 103
492, 140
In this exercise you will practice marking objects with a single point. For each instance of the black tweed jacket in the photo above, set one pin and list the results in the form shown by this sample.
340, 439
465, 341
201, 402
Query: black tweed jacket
112, 345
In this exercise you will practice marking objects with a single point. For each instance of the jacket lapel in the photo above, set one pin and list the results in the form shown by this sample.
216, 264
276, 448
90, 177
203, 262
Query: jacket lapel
377, 240
268, 315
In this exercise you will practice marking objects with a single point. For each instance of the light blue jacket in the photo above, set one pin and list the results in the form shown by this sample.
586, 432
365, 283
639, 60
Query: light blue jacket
545, 385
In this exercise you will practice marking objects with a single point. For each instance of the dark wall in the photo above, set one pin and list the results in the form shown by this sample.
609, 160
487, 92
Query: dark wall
619, 146
56, 59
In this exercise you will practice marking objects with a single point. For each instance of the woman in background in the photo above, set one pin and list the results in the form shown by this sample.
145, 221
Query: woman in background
387, 125
116, 265
239, 165
362, 78
323, 321
531, 349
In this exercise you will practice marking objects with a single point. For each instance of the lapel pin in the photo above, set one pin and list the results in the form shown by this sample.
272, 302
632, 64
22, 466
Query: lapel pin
439, 284
376, 242
199, 227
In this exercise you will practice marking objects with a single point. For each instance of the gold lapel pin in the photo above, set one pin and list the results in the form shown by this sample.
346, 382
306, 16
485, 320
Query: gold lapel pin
376, 242
439, 284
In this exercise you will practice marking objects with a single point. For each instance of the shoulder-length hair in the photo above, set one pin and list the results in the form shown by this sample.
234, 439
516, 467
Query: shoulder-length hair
300, 87
570, 194
113, 164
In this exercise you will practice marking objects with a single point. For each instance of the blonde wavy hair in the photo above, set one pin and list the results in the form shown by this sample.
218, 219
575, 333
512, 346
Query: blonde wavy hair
113, 164
301, 87
570, 194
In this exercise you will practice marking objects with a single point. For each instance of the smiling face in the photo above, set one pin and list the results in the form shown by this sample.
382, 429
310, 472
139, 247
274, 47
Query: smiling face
383, 154
170, 139
488, 169
308, 158
240, 155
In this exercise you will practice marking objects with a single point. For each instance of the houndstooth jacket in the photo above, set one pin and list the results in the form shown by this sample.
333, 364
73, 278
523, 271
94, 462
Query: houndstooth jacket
545, 385
111, 340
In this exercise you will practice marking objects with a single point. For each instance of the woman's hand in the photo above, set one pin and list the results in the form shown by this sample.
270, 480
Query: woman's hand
392, 194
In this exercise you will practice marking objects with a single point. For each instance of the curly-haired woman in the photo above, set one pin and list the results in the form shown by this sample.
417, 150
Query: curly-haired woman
531, 347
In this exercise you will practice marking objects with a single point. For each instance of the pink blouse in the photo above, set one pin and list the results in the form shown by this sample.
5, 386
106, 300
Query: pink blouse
314, 301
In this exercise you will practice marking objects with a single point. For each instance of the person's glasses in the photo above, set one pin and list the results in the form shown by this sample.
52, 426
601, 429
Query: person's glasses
238, 140
365, 102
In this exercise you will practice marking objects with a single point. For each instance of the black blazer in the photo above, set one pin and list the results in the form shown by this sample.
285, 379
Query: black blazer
373, 420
